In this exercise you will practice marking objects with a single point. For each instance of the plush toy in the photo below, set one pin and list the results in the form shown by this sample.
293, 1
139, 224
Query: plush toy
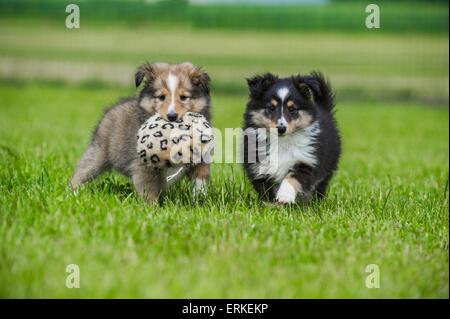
161, 143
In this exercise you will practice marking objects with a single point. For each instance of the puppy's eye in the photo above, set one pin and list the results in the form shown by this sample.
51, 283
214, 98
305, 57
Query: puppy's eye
291, 109
161, 97
271, 107
184, 98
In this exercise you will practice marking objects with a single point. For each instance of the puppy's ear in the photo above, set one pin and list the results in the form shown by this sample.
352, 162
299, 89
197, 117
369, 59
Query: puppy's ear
258, 84
315, 88
145, 71
200, 79
307, 86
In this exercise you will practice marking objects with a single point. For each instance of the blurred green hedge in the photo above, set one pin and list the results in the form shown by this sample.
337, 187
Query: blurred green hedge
339, 15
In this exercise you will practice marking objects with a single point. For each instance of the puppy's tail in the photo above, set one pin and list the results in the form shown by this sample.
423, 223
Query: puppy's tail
323, 93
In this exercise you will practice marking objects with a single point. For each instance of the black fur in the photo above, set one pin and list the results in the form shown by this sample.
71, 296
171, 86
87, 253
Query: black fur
313, 95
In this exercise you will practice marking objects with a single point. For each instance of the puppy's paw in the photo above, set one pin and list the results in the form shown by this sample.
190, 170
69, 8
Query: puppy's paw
200, 187
286, 193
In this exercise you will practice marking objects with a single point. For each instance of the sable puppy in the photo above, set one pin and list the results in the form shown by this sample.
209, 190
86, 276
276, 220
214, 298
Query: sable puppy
169, 89
307, 147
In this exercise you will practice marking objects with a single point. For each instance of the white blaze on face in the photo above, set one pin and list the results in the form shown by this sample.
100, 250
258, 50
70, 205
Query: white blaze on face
282, 93
172, 82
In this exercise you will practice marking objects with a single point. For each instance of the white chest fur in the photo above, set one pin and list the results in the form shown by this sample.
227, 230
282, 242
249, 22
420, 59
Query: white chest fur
288, 151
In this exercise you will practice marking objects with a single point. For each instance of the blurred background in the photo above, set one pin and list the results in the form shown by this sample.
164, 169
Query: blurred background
406, 59
388, 203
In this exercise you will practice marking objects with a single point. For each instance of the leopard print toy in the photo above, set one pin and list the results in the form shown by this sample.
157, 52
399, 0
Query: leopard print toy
161, 143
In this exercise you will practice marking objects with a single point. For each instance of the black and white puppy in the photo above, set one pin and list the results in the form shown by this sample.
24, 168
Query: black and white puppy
300, 159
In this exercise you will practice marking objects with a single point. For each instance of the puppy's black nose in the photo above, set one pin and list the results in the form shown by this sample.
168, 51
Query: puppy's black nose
281, 130
172, 117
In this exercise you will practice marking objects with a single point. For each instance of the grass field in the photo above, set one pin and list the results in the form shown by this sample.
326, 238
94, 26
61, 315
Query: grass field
388, 205
368, 66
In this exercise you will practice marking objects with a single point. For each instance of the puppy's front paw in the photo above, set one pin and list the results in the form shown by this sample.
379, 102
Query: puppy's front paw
200, 187
286, 193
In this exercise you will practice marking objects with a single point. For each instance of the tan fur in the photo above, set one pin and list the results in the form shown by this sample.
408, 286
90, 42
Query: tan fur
259, 119
201, 171
304, 120
113, 145
294, 183
198, 105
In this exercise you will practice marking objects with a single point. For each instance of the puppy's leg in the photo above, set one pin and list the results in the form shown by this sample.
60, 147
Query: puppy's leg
91, 165
297, 182
149, 183
289, 188
200, 175
321, 189
265, 189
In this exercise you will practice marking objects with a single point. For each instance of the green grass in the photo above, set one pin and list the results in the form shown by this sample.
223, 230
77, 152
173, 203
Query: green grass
364, 66
388, 205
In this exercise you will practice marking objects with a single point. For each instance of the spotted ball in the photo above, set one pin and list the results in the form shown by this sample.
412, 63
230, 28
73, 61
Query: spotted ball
187, 141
